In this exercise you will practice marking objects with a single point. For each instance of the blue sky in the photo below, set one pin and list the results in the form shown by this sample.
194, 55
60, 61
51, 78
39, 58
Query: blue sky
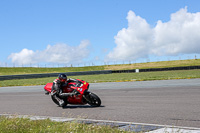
89, 31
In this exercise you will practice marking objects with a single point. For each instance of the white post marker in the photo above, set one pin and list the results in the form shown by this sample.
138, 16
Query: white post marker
137, 70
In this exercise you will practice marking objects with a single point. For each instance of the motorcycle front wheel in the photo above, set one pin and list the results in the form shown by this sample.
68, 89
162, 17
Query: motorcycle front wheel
94, 100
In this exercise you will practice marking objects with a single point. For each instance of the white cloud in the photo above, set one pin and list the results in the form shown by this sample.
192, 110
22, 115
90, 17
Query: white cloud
23, 57
178, 36
58, 53
132, 42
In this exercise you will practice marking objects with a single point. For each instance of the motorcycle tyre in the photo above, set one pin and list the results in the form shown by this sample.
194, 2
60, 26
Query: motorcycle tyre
56, 102
95, 101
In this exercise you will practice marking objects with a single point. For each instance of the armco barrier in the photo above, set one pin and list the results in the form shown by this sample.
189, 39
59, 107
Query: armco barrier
157, 69
170, 68
29, 76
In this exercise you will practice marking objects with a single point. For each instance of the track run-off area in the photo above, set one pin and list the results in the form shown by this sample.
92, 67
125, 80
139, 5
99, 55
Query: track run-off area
160, 102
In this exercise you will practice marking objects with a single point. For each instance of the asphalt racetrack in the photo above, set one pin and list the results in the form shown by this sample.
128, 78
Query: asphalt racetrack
167, 102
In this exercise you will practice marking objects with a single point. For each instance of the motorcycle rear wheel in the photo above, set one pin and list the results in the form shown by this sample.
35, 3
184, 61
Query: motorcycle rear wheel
94, 100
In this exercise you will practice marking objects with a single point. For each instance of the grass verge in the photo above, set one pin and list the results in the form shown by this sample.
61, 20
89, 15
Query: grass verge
161, 64
32, 70
25, 125
117, 77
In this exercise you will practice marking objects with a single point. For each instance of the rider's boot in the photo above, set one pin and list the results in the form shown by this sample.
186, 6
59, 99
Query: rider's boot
61, 102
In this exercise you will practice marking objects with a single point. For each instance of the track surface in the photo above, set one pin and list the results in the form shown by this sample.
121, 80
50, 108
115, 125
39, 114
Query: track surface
168, 102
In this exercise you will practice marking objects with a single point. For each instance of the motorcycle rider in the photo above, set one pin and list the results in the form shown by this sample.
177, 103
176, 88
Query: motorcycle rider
57, 91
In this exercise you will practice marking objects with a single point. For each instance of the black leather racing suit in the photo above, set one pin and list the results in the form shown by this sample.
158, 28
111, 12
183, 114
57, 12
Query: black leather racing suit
57, 91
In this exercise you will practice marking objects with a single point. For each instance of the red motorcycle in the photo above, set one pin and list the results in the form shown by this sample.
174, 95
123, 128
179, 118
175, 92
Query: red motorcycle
83, 96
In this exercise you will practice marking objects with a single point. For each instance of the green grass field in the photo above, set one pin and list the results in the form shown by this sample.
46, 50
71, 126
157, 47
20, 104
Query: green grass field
117, 77
35, 70
162, 64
